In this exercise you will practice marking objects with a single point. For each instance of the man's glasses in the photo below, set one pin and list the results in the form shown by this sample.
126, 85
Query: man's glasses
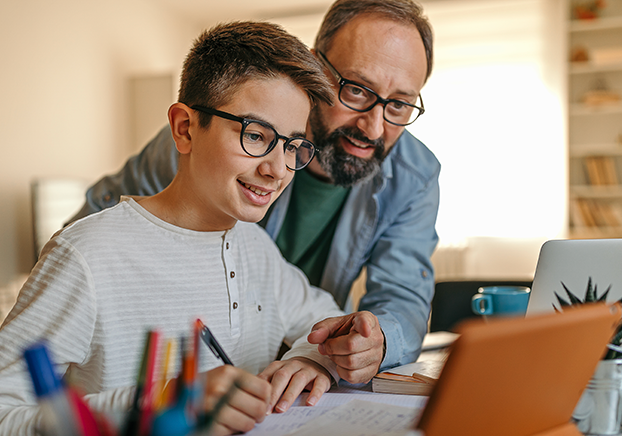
362, 99
259, 138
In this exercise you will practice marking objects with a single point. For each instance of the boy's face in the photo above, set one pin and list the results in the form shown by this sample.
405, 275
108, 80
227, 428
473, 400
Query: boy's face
229, 185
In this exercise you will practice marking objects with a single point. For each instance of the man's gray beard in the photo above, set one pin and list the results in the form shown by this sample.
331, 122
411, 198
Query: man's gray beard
343, 168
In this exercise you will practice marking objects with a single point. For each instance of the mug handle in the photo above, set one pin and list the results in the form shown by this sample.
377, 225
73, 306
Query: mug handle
481, 304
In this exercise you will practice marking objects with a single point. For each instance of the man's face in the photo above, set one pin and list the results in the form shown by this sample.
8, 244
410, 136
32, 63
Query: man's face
228, 184
385, 56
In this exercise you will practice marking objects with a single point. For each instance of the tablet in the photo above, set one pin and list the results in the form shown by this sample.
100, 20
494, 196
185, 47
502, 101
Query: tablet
519, 376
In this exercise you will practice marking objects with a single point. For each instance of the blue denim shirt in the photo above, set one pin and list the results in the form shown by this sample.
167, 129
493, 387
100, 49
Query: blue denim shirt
387, 225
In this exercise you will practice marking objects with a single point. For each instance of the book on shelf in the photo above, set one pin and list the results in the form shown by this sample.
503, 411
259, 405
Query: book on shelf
591, 213
601, 170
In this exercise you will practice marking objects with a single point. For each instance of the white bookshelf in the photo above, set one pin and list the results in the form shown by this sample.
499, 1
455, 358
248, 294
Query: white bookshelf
595, 130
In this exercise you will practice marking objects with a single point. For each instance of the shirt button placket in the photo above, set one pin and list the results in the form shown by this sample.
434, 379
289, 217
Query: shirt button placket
232, 283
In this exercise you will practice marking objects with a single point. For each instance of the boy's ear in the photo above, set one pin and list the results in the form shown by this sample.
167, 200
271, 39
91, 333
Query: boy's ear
179, 116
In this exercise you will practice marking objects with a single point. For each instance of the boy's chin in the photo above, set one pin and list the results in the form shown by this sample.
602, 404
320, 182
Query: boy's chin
256, 215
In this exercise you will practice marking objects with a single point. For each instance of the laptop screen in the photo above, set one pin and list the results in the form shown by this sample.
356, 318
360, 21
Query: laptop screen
573, 262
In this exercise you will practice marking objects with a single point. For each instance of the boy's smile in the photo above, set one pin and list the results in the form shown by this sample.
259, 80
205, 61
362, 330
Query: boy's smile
256, 194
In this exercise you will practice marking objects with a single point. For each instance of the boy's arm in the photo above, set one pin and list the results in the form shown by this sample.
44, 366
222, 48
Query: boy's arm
53, 305
300, 306
146, 173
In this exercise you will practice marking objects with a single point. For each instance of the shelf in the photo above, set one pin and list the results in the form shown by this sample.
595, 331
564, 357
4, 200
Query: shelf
583, 150
595, 232
579, 109
594, 142
608, 23
596, 192
590, 68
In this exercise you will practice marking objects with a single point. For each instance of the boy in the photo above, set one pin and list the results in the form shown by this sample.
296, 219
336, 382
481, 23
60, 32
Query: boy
245, 96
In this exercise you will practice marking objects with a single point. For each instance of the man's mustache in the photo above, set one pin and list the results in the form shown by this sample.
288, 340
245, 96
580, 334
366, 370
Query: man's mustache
355, 133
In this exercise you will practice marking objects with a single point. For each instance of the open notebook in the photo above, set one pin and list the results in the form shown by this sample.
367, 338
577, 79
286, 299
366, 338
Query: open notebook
520, 376
573, 262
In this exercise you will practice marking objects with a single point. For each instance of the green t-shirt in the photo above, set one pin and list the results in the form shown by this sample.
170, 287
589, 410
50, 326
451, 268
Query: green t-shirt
310, 224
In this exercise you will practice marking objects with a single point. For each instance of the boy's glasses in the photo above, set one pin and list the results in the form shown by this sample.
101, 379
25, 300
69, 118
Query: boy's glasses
259, 138
360, 98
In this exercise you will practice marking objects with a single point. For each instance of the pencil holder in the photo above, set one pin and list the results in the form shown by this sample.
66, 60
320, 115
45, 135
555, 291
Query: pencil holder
599, 411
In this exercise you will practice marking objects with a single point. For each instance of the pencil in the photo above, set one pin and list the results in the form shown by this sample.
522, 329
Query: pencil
146, 413
132, 420
162, 401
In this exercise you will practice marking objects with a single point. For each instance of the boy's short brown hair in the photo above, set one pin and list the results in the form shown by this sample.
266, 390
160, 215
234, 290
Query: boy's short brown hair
228, 55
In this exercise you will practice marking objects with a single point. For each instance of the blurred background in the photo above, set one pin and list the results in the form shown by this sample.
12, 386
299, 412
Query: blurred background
85, 84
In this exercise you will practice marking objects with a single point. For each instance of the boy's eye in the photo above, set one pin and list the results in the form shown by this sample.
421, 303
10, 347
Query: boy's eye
291, 147
253, 137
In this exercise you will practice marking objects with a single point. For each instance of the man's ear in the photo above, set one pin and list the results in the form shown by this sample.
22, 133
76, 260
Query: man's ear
179, 117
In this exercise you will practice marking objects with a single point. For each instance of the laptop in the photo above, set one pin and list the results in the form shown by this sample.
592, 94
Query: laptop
519, 376
574, 262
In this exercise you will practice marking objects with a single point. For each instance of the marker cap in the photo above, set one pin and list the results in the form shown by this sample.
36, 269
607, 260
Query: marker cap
41, 370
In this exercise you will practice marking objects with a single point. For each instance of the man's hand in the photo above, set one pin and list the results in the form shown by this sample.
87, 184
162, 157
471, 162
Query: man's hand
247, 404
290, 377
354, 342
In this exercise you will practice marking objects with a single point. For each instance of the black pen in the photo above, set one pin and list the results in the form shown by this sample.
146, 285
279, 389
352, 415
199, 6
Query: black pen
213, 344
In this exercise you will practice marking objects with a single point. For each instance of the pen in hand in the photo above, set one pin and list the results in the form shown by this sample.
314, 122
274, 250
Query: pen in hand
212, 344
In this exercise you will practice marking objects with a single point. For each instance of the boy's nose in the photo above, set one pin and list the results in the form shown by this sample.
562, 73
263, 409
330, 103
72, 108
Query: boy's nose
274, 163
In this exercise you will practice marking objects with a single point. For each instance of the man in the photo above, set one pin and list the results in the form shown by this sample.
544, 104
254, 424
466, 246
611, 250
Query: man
370, 199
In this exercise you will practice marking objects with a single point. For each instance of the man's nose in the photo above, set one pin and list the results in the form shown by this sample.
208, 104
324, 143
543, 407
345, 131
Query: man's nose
371, 123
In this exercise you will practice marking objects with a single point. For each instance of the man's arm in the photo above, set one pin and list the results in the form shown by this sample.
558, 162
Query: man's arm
146, 173
400, 279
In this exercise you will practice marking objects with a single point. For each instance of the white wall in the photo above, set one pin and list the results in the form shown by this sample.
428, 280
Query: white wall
64, 82
495, 119
66, 65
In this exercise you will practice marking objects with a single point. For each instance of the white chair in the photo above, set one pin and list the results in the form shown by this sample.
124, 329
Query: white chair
54, 201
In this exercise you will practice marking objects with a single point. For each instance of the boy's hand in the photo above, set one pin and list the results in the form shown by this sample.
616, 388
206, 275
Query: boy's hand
247, 405
354, 342
290, 377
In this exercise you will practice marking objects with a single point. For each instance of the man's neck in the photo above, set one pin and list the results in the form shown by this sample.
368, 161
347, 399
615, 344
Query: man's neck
315, 169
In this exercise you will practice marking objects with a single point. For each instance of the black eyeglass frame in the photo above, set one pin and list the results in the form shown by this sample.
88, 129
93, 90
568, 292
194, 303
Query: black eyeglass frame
383, 101
246, 122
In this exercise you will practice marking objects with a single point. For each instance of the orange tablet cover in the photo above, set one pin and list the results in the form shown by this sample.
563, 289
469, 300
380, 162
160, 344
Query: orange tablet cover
520, 376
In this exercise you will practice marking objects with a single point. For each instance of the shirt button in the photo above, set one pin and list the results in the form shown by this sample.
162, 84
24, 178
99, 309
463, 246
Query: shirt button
232, 274
424, 274
259, 307
227, 245
235, 304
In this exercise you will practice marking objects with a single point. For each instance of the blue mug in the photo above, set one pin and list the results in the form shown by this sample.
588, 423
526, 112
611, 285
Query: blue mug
501, 300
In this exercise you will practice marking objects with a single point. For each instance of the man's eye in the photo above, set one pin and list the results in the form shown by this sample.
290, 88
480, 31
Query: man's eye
398, 105
355, 91
291, 148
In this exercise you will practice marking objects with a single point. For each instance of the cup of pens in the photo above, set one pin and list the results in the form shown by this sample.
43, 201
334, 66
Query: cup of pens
162, 405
